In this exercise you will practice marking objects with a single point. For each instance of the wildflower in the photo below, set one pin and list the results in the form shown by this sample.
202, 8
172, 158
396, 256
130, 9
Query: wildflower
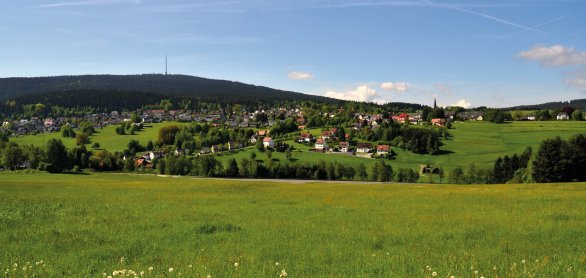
190, 266
494, 268
452, 276
37, 263
475, 272
209, 276
434, 274
15, 265
41, 261
283, 273
24, 268
122, 260
109, 276
235, 264
142, 273
277, 263
428, 268
151, 268
104, 274
523, 261
170, 269
536, 261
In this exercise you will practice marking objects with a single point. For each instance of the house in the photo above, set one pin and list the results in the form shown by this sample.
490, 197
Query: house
262, 132
563, 116
305, 138
253, 139
326, 135
154, 154
438, 121
382, 149
363, 147
344, 147
320, 144
268, 142
204, 150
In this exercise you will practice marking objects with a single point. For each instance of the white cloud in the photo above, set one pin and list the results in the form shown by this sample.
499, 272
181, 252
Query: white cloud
561, 56
297, 75
554, 56
463, 103
361, 93
396, 86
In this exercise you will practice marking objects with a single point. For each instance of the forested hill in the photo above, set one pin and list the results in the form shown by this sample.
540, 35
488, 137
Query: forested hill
576, 103
156, 85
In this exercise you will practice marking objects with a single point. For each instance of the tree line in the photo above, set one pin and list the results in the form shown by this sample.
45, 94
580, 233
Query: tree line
556, 160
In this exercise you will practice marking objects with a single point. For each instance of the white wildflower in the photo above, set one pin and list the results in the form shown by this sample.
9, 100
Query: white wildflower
433, 274
142, 273
170, 269
190, 266
151, 268
277, 263
283, 273
122, 259
209, 276
475, 272
235, 264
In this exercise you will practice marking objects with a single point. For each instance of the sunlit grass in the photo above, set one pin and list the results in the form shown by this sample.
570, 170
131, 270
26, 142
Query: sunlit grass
81, 226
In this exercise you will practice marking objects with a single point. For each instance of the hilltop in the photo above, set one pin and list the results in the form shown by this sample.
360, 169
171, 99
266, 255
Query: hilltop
144, 86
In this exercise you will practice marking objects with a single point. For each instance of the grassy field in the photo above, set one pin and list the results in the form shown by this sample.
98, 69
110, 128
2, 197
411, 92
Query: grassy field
82, 225
472, 142
107, 137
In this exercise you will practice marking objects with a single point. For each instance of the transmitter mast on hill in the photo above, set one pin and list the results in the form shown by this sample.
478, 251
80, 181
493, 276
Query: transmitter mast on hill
166, 64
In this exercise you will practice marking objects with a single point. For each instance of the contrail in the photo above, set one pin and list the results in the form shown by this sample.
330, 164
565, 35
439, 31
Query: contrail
493, 18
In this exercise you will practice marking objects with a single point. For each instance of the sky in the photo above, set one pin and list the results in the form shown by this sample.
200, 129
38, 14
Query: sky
470, 53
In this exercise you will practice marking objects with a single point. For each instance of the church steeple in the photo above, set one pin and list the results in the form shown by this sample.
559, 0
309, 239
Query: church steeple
434, 103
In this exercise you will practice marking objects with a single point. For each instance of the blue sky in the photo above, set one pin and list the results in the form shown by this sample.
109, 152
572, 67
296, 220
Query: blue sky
472, 53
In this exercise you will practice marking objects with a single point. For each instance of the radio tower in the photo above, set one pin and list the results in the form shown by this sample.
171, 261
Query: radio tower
165, 63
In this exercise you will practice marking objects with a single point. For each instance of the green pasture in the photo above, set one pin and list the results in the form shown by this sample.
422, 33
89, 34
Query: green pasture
107, 137
87, 225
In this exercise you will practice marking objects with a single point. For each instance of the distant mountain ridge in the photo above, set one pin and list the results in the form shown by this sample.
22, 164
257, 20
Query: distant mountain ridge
576, 103
173, 86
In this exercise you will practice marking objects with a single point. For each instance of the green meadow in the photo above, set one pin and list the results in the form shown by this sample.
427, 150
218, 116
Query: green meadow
87, 225
480, 143
107, 137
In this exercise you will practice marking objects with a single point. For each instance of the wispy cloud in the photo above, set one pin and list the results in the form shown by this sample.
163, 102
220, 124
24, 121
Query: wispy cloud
484, 15
213, 40
88, 3
297, 75
561, 57
223, 6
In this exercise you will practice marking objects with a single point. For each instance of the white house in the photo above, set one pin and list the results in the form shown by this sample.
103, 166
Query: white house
344, 147
563, 116
320, 144
363, 147
268, 142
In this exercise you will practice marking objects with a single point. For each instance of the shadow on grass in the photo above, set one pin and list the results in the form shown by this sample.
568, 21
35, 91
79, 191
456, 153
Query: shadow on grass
444, 152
